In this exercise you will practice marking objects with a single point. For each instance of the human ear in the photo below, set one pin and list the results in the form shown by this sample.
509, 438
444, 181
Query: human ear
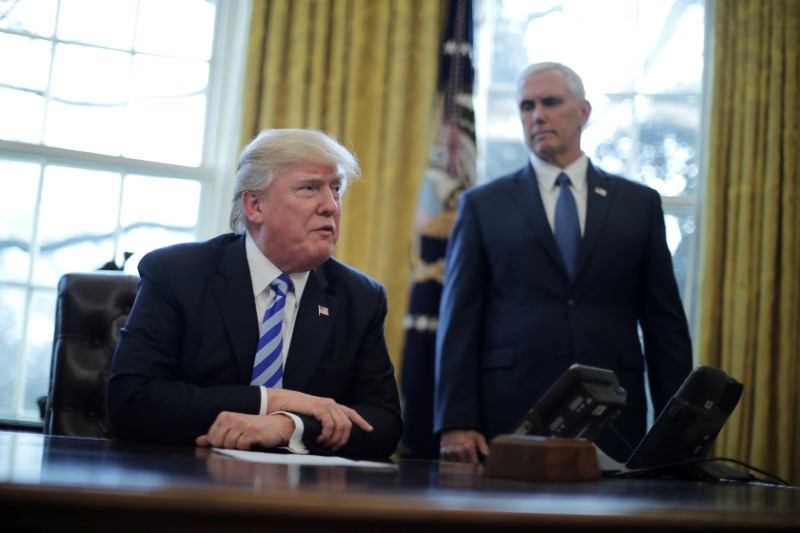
586, 110
251, 203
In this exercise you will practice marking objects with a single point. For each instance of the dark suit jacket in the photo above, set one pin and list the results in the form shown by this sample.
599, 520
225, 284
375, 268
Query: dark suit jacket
187, 350
511, 321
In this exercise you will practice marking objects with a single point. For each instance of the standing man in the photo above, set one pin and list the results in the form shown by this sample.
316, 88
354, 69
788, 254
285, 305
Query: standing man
520, 303
260, 338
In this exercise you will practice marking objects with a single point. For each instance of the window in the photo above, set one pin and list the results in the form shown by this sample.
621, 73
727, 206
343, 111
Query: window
118, 132
642, 65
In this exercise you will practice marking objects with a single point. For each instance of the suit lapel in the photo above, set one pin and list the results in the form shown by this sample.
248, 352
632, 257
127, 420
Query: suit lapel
599, 196
524, 190
234, 293
315, 318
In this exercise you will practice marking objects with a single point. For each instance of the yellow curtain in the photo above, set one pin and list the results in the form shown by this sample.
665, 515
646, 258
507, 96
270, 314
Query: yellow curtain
750, 293
365, 71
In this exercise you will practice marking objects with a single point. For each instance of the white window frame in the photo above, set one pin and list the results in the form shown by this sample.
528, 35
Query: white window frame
215, 173
689, 204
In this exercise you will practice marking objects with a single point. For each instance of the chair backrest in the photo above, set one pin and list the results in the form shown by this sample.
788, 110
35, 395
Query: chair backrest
90, 311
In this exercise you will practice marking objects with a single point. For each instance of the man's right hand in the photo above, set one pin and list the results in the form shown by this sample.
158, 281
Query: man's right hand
463, 446
239, 431
336, 419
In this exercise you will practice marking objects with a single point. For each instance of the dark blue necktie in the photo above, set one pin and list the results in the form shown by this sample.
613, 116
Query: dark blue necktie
268, 366
567, 227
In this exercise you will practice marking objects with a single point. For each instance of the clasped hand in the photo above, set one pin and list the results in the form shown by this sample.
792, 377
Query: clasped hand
242, 431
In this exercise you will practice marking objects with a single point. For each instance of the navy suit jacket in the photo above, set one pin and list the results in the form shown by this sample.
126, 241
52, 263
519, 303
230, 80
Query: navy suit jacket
511, 321
186, 352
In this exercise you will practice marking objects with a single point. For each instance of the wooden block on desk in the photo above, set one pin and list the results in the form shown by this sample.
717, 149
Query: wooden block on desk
541, 459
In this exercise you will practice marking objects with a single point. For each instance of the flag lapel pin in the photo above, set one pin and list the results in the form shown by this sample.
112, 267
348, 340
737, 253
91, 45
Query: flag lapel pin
322, 310
601, 191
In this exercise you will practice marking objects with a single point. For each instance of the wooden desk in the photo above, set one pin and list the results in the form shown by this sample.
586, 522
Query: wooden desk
60, 483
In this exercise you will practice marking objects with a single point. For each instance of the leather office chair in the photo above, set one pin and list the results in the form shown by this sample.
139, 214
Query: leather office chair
90, 310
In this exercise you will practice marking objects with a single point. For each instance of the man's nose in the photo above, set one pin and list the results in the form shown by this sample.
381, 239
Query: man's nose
329, 201
533, 116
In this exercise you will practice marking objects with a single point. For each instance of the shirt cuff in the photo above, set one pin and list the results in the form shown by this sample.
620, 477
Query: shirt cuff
296, 441
262, 410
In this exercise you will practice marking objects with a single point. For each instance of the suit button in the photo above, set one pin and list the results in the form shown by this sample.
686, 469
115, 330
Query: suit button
572, 303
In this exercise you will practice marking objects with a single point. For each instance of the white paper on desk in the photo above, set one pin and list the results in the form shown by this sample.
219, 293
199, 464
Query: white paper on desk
296, 459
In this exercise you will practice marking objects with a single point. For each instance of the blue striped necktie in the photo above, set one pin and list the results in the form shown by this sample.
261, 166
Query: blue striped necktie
268, 366
567, 227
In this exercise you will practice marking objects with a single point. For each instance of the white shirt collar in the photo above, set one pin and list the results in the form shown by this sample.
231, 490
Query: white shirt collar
263, 271
547, 173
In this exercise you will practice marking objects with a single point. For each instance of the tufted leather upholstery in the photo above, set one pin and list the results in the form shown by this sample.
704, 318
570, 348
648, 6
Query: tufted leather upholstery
91, 309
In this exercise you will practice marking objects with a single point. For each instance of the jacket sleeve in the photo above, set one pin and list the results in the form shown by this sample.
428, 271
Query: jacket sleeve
667, 344
157, 391
370, 388
458, 339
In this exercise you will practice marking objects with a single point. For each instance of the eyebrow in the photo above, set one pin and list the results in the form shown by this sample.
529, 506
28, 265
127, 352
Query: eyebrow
316, 179
546, 101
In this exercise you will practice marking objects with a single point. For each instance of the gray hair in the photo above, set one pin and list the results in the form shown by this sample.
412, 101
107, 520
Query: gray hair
276, 150
574, 82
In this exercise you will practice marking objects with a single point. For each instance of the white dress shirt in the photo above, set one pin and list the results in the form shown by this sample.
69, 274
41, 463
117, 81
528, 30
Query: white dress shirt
549, 190
262, 273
